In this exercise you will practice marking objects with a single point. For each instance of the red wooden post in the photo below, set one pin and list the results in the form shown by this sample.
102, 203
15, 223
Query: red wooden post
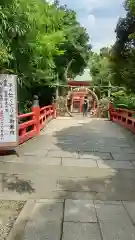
36, 111
94, 105
23, 131
3, 152
81, 105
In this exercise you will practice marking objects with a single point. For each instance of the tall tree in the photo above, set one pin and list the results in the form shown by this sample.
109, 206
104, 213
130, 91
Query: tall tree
43, 36
76, 48
38, 40
100, 68
123, 51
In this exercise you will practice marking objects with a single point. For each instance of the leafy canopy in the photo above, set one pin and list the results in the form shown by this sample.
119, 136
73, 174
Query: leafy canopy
123, 51
38, 40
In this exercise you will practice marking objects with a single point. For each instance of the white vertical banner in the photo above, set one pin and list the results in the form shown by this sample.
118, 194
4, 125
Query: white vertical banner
8, 111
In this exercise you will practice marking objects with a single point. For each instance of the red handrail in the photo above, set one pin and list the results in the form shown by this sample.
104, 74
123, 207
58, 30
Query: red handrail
34, 121
123, 117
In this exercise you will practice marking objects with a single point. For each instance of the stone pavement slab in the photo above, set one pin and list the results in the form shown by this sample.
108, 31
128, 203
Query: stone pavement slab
55, 171
127, 150
47, 209
96, 156
97, 147
58, 182
29, 159
36, 152
45, 221
133, 162
112, 212
123, 156
41, 160
79, 162
115, 149
130, 207
79, 211
81, 231
42, 230
117, 231
54, 219
62, 153
115, 164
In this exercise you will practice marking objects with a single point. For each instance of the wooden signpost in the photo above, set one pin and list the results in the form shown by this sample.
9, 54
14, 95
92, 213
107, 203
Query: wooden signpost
8, 112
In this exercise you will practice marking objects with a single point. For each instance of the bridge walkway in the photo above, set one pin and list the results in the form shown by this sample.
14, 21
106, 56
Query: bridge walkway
78, 178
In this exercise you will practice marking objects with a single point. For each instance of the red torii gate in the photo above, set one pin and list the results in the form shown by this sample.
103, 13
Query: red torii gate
78, 90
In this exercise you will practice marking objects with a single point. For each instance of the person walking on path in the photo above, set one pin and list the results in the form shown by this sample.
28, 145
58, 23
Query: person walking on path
85, 106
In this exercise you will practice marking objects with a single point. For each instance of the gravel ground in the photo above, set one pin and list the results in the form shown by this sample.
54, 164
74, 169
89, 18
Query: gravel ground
9, 211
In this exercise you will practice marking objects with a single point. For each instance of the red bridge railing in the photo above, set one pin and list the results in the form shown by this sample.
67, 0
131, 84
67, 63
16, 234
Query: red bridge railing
31, 123
123, 117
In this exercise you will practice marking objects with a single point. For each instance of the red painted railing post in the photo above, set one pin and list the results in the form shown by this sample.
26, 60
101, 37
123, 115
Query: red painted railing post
36, 111
81, 105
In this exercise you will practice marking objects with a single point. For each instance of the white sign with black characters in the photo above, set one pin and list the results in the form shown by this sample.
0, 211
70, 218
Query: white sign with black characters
8, 109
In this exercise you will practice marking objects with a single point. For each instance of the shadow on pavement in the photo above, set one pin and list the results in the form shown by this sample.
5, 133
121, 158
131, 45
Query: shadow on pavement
101, 141
12, 182
90, 136
97, 140
112, 187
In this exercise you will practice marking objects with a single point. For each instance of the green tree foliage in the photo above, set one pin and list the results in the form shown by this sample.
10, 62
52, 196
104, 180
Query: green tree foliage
76, 48
121, 99
117, 65
38, 40
100, 67
123, 51
130, 4
101, 71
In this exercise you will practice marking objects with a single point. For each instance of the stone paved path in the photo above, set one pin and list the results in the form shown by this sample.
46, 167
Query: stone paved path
76, 219
79, 179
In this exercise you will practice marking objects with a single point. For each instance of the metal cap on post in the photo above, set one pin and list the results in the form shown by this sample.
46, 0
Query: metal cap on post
35, 101
36, 111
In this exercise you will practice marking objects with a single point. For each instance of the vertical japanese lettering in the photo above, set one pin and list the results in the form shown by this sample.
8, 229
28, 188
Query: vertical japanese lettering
7, 109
